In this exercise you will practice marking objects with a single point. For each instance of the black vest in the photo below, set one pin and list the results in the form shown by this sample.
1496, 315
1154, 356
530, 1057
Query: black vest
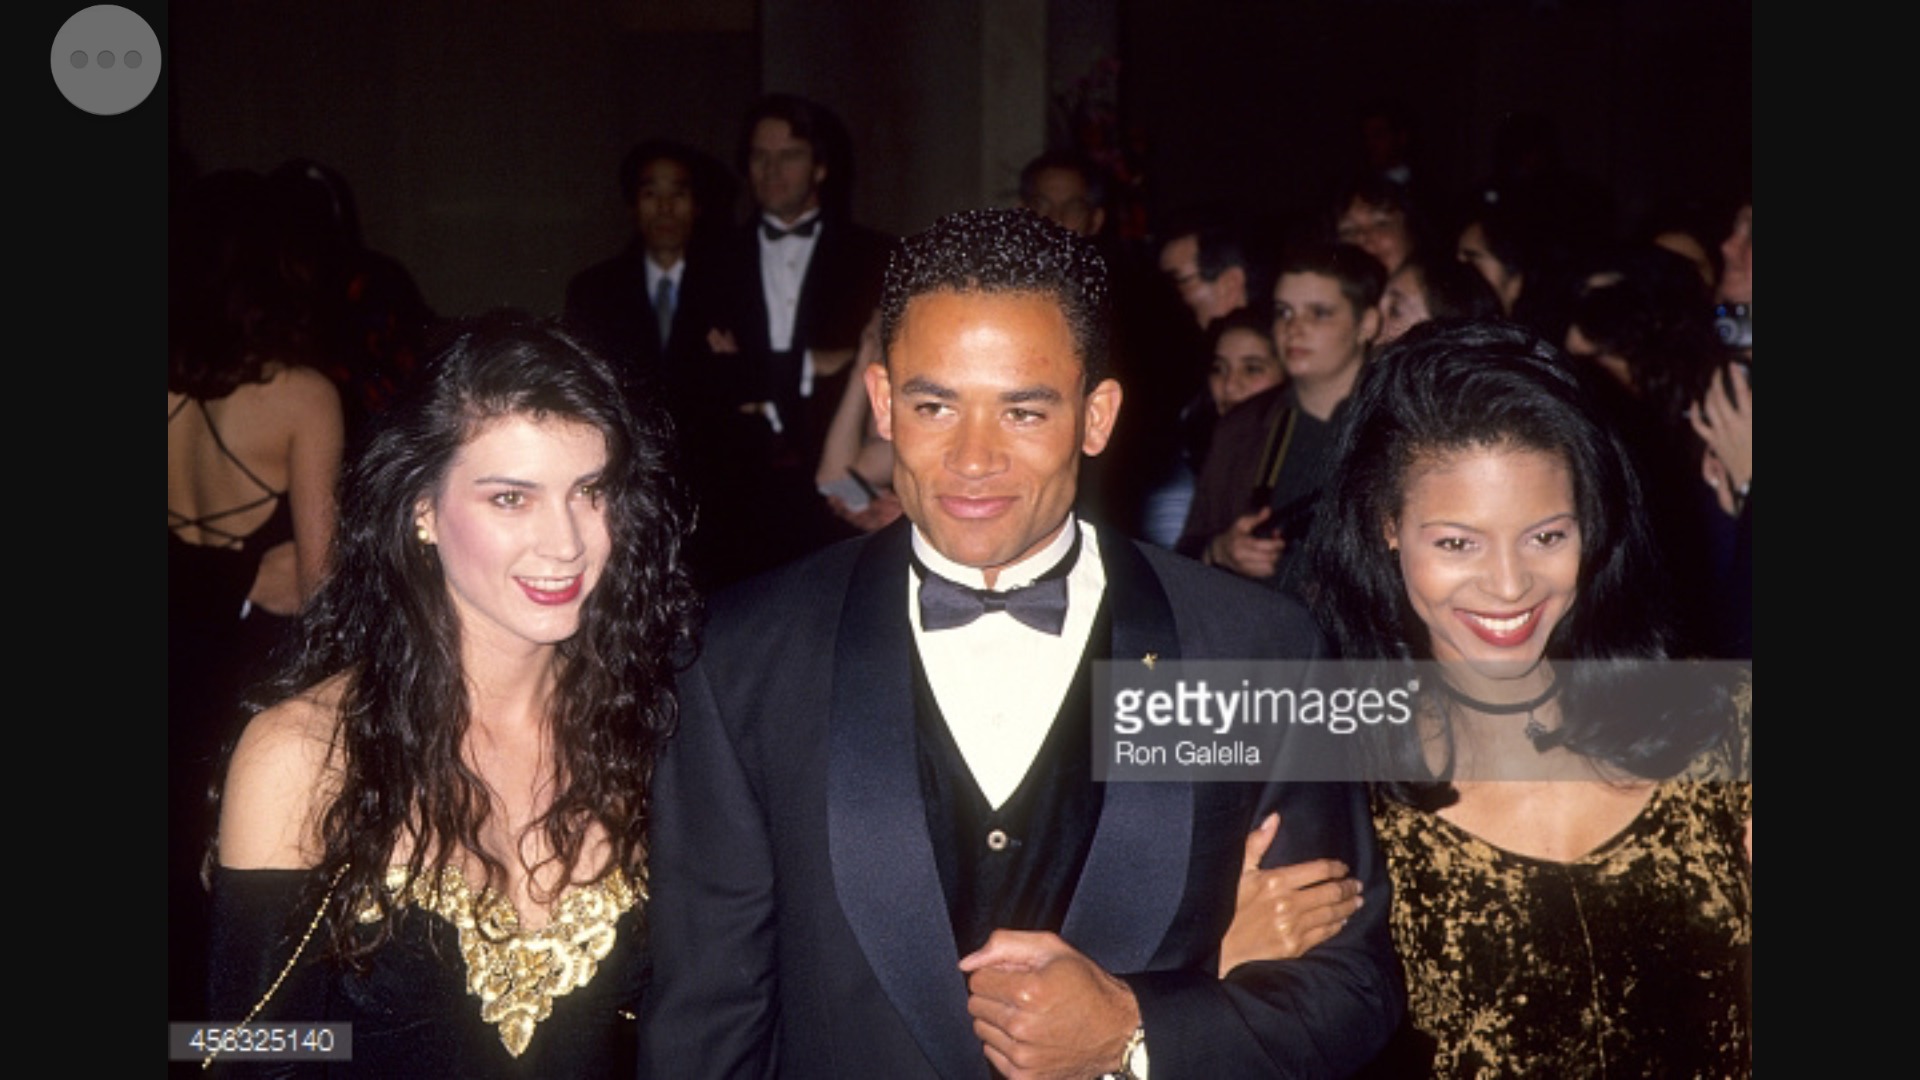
1014, 867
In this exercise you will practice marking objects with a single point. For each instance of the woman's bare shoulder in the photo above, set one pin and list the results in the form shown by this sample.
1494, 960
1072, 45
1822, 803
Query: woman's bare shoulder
303, 386
301, 721
283, 773
290, 397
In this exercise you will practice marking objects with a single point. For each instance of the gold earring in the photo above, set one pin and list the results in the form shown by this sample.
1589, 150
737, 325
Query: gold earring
421, 532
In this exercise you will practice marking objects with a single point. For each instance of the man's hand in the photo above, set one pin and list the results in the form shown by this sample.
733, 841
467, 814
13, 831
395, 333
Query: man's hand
1240, 551
1043, 1011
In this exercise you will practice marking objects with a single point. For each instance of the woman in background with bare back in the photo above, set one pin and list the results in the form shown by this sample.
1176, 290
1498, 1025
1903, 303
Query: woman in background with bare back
254, 440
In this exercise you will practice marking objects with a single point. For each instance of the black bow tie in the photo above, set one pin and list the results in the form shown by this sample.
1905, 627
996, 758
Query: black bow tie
775, 232
1042, 605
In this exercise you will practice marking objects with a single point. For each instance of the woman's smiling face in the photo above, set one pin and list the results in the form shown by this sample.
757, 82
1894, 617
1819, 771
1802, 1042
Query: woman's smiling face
1489, 548
521, 530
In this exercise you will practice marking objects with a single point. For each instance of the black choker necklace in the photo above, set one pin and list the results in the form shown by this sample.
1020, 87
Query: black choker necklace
1542, 739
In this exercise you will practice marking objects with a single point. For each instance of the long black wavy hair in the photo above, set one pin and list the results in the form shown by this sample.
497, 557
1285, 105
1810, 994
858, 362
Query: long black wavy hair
385, 620
1452, 385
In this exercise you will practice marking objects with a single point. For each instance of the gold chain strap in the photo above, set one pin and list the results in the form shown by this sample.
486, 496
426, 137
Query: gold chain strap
207, 1062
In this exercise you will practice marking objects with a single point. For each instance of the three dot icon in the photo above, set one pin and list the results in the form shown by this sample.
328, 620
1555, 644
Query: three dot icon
106, 59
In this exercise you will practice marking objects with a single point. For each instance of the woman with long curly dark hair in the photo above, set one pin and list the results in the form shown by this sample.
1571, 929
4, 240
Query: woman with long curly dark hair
435, 828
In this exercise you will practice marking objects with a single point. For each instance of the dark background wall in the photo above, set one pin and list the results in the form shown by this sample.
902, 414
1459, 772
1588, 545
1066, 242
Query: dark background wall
481, 139
1252, 100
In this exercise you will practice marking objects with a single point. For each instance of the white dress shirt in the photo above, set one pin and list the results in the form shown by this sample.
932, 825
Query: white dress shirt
783, 270
1000, 683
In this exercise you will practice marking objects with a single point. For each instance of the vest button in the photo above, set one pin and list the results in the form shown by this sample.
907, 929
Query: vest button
997, 840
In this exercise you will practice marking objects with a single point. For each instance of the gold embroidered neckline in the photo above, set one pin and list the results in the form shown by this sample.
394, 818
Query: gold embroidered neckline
516, 974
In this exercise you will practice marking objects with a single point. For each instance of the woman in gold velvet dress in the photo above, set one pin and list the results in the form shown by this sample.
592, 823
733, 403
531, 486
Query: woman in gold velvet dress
1568, 817
435, 831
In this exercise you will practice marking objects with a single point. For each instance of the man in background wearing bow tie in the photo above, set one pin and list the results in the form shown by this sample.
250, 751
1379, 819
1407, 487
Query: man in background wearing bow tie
878, 846
804, 278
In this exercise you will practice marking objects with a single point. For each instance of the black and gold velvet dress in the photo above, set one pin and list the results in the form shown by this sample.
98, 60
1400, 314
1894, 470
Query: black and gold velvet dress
1634, 960
461, 990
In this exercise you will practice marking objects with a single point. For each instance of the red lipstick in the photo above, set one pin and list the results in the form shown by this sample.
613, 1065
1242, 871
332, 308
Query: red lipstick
1502, 631
564, 595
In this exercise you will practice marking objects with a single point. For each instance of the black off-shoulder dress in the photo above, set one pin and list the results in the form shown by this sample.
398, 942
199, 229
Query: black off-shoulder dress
459, 991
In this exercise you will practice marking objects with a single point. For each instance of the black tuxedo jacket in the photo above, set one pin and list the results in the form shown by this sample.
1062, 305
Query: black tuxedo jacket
798, 925
610, 303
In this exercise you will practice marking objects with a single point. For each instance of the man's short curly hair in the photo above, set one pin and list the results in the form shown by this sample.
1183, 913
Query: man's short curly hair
1006, 250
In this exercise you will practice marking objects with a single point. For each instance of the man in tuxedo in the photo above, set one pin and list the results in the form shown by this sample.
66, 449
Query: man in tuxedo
655, 300
878, 845
807, 276
802, 281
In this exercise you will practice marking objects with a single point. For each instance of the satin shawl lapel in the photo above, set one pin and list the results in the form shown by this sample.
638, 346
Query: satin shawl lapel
883, 864
1136, 872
